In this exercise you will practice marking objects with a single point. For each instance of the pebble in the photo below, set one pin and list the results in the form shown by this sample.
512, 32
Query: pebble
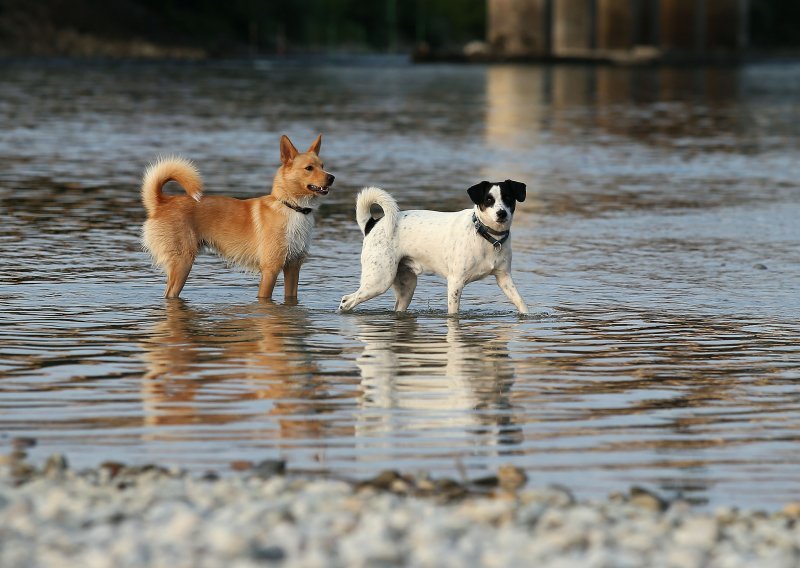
269, 468
241, 465
56, 465
511, 478
22, 443
130, 517
647, 499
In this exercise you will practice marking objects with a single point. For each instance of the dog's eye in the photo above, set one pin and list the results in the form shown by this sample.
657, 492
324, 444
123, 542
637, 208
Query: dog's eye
490, 201
309, 168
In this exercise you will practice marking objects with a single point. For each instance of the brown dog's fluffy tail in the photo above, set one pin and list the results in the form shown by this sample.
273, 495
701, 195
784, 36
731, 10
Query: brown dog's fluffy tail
169, 168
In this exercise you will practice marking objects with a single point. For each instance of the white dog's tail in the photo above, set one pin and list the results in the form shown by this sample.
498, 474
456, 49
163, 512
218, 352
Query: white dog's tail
368, 197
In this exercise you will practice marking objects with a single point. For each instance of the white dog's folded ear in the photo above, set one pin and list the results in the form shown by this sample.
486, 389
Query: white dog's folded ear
517, 189
477, 192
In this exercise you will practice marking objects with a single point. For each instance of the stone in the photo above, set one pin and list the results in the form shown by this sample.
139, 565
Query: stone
56, 465
241, 465
23, 443
792, 510
268, 553
511, 478
383, 480
647, 499
112, 468
269, 468
697, 532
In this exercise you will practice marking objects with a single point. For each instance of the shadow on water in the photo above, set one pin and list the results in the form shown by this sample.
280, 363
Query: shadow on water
657, 247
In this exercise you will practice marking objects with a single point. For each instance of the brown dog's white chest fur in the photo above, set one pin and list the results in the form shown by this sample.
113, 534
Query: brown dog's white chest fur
298, 235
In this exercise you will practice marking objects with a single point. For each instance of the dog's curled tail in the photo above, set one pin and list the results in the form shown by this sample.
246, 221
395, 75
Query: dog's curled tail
165, 169
367, 198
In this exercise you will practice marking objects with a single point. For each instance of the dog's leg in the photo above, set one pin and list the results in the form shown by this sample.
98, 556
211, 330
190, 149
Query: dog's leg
291, 278
373, 284
269, 275
509, 289
362, 295
404, 285
177, 273
378, 269
454, 289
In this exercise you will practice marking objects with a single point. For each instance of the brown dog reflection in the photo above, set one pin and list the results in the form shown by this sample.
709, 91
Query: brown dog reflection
206, 367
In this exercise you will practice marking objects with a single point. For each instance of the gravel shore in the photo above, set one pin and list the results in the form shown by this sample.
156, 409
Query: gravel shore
122, 516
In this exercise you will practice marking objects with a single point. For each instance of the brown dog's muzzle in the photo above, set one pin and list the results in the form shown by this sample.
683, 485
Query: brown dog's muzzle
322, 190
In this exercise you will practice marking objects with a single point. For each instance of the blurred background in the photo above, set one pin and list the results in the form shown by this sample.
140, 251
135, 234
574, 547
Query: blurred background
616, 29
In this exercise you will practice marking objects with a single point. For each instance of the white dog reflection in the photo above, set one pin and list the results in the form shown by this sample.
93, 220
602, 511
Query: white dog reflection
456, 386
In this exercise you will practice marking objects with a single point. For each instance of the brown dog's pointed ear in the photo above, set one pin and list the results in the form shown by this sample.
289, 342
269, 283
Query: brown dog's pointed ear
288, 151
478, 192
517, 189
315, 146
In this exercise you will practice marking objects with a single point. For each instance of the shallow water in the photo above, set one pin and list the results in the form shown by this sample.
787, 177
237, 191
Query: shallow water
658, 250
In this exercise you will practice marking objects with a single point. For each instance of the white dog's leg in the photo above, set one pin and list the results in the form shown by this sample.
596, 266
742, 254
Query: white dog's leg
404, 285
509, 289
454, 289
373, 283
361, 295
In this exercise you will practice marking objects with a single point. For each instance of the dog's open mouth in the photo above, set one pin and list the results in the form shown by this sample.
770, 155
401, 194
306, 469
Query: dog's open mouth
322, 190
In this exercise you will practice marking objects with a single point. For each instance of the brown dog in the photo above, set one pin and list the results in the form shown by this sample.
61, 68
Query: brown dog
265, 234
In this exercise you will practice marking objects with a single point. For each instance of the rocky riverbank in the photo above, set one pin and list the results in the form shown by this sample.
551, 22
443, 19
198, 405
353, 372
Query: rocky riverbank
120, 516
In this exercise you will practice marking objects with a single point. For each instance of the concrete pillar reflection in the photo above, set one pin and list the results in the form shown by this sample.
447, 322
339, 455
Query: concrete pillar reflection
515, 103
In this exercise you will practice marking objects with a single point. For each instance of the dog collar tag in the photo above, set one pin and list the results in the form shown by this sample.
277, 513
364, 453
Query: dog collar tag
484, 231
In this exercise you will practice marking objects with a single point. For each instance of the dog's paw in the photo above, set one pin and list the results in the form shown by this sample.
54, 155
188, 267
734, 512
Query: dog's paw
345, 305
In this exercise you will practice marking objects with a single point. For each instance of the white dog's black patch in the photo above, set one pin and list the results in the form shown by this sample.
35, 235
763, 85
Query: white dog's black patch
500, 198
510, 192
370, 225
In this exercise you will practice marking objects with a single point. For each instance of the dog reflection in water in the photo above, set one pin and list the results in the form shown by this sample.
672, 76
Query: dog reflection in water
459, 383
247, 353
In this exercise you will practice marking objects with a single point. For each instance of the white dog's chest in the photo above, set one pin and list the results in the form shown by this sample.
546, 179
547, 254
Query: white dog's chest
298, 235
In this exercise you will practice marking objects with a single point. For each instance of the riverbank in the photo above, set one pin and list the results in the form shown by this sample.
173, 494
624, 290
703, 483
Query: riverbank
121, 516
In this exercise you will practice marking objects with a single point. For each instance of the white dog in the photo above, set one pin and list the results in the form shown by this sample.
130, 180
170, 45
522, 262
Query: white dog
463, 246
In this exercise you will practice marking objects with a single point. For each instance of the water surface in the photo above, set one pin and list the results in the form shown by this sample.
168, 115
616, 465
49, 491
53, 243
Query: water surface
657, 249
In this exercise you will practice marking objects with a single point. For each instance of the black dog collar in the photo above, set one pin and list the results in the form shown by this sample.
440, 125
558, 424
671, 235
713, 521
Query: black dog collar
487, 233
303, 210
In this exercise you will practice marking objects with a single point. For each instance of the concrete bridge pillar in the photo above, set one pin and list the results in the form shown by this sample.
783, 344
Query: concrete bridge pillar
615, 24
573, 27
587, 28
519, 27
